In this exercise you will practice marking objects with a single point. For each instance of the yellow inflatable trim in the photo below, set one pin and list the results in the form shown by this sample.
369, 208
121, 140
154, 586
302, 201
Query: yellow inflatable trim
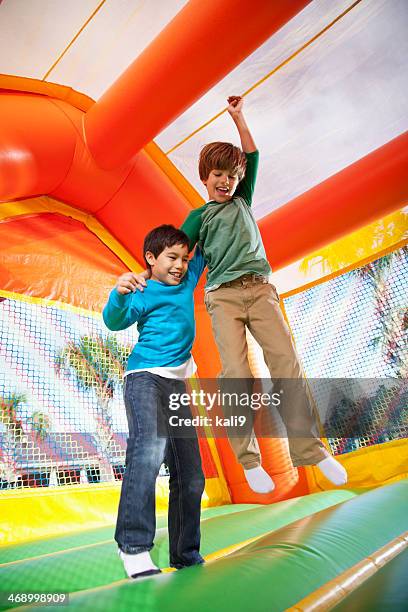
32, 514
367, 467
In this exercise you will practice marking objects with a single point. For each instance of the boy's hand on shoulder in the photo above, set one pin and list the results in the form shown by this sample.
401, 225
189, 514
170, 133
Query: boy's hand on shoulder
130, 282
235, 105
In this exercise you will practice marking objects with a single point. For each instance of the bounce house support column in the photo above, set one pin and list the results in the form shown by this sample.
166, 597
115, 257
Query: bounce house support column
200, 46
363, 192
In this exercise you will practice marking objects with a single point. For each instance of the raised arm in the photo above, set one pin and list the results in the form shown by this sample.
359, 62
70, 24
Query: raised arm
246, 187
235, 105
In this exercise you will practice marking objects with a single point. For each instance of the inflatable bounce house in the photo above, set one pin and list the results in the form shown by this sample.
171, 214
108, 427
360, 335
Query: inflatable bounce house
104, 107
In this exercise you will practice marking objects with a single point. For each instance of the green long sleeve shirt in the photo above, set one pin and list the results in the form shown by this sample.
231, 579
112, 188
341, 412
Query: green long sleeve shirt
227, 233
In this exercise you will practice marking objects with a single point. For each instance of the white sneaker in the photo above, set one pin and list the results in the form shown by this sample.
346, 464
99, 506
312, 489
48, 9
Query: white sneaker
139, 564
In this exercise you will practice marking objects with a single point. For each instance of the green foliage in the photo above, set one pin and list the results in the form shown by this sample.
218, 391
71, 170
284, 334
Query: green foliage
371, 419
8, 414
392, 323
97, 363
8, 407
41, 424
376, 272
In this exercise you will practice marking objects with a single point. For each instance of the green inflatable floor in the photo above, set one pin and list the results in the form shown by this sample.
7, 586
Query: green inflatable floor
295, 546
386, 590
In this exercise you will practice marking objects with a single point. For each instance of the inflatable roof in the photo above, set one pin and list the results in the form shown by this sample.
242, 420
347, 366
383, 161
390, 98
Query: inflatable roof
322, 83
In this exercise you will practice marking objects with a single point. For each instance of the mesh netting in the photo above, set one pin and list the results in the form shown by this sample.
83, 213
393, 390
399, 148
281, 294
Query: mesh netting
62, 419
355, 327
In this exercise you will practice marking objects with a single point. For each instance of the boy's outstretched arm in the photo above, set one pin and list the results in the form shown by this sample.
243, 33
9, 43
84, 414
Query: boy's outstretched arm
235, 105
121, 310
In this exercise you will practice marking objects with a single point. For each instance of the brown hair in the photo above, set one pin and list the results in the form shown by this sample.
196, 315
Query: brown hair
161, 237
221, 156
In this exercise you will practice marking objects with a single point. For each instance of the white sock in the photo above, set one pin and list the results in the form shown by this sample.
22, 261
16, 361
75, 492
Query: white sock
333, 470
138, 563
259, 480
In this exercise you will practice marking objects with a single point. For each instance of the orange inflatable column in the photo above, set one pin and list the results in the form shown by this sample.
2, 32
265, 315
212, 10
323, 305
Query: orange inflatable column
370, 188
201, 45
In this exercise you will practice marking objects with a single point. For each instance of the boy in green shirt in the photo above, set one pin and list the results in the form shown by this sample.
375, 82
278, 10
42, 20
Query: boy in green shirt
238, 295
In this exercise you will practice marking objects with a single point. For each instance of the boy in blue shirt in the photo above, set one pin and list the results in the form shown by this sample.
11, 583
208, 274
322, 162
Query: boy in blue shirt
157, 367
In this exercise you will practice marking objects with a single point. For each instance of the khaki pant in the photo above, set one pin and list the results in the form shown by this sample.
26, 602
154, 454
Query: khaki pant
250, 301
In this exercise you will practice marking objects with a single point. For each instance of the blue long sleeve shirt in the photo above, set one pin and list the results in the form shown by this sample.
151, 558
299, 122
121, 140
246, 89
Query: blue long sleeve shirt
165, 319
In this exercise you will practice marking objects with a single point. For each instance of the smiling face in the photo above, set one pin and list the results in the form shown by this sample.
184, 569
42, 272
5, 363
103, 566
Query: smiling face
221, 185
170, 266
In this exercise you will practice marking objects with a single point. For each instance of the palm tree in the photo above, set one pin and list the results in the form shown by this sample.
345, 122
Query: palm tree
41, 424
376, 418
15, 436
392, 339
392, 322
98, 363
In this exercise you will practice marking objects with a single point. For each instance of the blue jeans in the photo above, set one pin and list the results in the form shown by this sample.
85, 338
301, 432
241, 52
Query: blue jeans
147, 400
